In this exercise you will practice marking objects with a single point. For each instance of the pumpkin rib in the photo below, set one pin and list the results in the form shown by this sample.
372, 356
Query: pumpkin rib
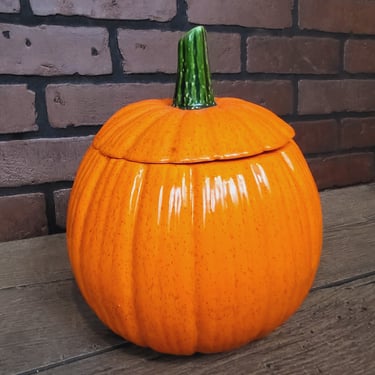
134, 141
261, 129
79, 205
296, 199
82, 174
115, 127
104, 228
116, 140
111, 126
141, 142
244, 134
252, 138
90, 260
261, 212
315, 227
174, 266
208, 247
152, 325
255, 110
291, 225
121, 275
135, 274
234, 139
77, 247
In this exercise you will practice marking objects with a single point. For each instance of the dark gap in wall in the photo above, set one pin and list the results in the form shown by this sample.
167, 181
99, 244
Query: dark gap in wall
295, 95
295, 15
341, 61
26, 13
243, 52
327, 116
169, 77
117, 59
38, 87
50, 132
39, 188
50, 211
25, 17
338, 152
295, 79
180, 20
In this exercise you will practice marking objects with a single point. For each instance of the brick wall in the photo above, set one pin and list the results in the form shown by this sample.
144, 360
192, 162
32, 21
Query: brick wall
65, 67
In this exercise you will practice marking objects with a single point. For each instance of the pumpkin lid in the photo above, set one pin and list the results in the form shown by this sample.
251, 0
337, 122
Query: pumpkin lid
153, 131
195, 127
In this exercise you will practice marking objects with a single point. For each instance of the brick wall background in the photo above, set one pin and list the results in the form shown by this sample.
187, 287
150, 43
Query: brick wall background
66, 66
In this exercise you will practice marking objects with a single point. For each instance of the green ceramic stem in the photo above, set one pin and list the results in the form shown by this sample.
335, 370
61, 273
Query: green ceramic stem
193, 86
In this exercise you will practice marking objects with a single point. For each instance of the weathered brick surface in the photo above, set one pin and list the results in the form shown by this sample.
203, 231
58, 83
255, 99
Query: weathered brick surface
54, 50
22, 216
271, 14
90, 104
276, 95
318, 96
61, 199
149, 51
292, 55
317, 136
359, 56
343, 170
158, 10
35, 161
10, 6
17, 109
346, 16
357, 132
69, 72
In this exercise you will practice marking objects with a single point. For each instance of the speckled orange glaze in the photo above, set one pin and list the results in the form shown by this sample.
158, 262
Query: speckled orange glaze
194, 231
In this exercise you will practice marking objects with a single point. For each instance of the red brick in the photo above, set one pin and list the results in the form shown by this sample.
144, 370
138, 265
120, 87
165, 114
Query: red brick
343, 170
91, 104
22, 216
317, 136
357, 132
292, 55
17, 109
10, 6
359, 56
149, 51
336, 96
275, 95
54, 50
77, 105
346, 16
35, 161
61, 199
158, 10
271, 14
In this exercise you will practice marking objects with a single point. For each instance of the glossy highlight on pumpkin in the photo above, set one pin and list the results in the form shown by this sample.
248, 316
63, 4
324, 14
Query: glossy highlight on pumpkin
195, 257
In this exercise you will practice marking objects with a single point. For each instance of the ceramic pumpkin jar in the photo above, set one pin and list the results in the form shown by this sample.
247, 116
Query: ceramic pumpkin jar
194, 225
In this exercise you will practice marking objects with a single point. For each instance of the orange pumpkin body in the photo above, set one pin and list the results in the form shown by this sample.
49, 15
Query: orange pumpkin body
194, 231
